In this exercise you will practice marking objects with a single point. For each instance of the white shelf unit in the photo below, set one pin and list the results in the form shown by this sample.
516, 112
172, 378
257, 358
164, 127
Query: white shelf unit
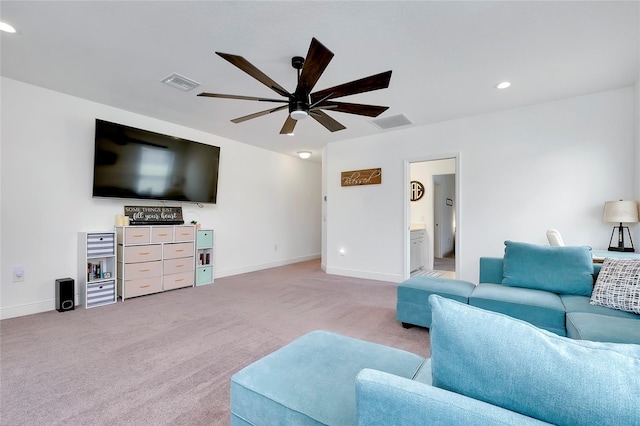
204, 257
97, 268
155, 258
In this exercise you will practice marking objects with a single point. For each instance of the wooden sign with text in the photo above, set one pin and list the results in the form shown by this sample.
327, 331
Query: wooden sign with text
361, 177
143, 215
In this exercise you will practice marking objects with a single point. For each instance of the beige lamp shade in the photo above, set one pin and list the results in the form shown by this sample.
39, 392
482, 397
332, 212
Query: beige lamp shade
620, 212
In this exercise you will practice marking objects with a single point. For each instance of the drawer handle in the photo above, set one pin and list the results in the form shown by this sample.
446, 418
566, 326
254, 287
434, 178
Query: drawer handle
163, 234
138, 235
178, 250
145, 286
180, 266
179, 279
143, 253
144, 270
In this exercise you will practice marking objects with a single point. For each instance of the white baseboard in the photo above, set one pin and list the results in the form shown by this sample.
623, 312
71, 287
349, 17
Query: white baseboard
27, 309
365, 275
259, 267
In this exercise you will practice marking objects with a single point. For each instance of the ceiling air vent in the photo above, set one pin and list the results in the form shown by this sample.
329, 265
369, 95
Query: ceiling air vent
180, 82
390, 122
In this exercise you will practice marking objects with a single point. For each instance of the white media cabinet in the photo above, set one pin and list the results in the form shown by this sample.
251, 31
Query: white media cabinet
154, 258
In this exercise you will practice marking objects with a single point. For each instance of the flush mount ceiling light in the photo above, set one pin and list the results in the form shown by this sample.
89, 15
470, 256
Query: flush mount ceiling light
304, 154
7, 28
502, 85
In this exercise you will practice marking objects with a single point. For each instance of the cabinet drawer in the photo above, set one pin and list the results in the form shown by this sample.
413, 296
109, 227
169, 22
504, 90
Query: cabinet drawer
204, 275
100, 245
205, 238
101, 293
184, 279
184, 233
134, 271
173, 266
141, 287
162, 234
133, 254
421, 233
172, 251
136, 234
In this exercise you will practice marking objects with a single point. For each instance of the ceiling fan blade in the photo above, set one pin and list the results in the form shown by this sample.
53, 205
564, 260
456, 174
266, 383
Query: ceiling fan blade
328, 122
258, 114
360, 109
318, 57
254, 72
367, 84
246, 98
288, 126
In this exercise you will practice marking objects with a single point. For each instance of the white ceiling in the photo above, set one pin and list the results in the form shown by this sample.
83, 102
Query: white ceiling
446, 56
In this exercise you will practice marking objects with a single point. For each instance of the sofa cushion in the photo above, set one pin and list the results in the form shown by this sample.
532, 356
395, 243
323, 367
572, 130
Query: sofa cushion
618, 285
512, 364
603, 328
564, 270
386, 399
575, 303
541, 308
311, 380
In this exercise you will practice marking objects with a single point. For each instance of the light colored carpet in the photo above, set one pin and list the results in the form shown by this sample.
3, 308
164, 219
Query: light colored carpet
168, 358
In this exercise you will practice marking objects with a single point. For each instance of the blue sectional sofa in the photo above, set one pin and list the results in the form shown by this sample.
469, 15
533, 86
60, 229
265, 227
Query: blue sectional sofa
486, 368
550, 287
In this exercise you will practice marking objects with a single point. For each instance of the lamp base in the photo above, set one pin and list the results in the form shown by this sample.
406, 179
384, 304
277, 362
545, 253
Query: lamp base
623, 249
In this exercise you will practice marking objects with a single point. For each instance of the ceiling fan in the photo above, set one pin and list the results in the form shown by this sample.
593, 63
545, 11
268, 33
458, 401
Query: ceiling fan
302, 103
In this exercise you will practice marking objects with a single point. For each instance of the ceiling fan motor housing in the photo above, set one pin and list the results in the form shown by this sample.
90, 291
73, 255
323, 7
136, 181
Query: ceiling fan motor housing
299, 109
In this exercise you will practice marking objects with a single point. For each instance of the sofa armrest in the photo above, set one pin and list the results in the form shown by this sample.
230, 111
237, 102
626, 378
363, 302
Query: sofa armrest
381, 396
491, 270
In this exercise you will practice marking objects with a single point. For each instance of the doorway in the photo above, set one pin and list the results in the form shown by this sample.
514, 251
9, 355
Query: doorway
432, 216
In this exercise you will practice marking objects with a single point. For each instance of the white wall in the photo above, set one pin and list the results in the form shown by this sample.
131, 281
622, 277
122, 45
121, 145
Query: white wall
264, 198
521, 171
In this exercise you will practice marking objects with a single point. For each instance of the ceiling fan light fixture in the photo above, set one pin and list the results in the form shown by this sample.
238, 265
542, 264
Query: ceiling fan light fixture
299, 114
502, 85
304, 154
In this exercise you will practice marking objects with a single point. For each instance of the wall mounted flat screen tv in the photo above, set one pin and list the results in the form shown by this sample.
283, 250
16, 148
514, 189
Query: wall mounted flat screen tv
136, 163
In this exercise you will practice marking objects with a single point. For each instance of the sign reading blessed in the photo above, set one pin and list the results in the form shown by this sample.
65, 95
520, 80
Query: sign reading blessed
139, 215
361, 177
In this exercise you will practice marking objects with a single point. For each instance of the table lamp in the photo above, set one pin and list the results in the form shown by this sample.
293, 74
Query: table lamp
620, 212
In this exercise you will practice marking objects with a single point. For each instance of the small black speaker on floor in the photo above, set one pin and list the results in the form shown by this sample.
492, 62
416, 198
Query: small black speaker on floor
65, 294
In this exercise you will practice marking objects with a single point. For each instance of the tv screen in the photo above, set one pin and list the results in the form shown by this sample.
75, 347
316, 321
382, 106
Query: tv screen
135, 163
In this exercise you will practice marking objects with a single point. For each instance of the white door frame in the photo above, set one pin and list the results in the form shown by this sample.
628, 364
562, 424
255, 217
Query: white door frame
407, 210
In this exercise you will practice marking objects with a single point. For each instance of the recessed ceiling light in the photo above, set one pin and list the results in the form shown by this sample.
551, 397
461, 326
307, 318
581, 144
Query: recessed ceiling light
503, 85
6, 28
304, 154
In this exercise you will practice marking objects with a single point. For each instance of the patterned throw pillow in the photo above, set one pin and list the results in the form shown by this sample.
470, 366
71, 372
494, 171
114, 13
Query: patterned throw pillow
618, 285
